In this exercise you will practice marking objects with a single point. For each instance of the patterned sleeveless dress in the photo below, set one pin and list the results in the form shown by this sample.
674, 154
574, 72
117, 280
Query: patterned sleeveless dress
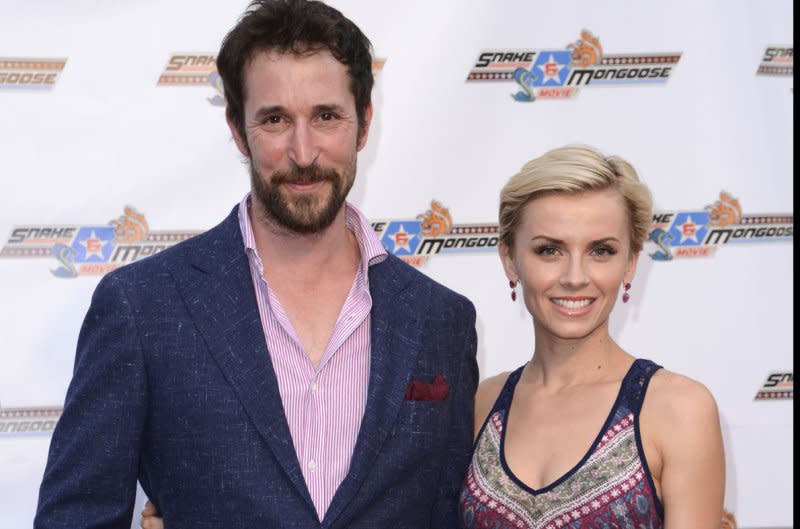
610, 488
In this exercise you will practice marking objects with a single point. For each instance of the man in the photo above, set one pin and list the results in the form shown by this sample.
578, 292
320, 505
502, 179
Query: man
281, 369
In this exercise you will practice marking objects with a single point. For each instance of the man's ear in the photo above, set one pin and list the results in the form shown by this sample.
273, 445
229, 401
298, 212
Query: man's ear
363, 128
241, 143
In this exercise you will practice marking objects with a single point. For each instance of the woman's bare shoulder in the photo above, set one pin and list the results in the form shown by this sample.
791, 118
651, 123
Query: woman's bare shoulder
488, 391
681, 419
678, 400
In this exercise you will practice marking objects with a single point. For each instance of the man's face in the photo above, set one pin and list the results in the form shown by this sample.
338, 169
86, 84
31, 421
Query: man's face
302, 136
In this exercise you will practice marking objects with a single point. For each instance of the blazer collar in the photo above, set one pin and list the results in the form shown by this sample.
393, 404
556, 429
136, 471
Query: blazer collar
218, 291
398, 306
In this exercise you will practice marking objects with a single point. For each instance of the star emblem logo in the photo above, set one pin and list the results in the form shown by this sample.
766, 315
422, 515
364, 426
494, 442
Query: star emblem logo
551, 70
689, 230
93, 245
401, 239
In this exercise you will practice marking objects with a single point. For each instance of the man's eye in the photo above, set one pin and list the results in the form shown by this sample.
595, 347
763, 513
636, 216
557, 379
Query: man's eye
273, 120
326, 116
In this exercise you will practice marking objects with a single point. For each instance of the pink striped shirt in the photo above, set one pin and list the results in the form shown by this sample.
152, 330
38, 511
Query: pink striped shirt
324, 406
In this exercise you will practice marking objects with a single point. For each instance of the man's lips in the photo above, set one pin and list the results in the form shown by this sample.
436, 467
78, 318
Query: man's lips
305, 186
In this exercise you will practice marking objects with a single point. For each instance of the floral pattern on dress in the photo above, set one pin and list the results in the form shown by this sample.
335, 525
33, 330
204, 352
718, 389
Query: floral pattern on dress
610, 490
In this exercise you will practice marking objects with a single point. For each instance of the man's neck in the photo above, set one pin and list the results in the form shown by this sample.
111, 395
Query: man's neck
310, 275
303, 256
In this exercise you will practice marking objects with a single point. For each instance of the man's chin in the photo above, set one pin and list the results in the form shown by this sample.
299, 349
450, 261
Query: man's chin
306, 204
306, 218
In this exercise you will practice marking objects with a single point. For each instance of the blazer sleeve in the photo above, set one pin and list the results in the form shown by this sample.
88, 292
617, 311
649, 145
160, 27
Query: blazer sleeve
92, 466
445, 512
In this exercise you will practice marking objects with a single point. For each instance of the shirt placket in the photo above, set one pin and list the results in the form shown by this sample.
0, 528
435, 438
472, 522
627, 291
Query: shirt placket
309, 439
308, 392
313, 434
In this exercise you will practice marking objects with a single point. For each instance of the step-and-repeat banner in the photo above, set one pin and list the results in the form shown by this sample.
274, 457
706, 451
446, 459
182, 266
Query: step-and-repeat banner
113, 147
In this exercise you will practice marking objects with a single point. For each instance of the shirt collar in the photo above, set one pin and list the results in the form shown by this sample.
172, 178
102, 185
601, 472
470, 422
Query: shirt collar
372, 251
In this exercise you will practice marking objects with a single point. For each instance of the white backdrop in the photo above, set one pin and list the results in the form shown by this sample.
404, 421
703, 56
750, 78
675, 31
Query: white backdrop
106, 135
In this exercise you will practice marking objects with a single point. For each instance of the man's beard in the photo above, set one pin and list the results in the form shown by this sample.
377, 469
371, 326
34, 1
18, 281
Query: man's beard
302, 213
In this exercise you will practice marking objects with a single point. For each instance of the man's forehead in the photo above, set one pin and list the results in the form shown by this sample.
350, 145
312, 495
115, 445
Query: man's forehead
301, 53
285, 78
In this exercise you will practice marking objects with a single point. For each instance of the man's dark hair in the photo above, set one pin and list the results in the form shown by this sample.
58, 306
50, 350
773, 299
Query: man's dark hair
299, 27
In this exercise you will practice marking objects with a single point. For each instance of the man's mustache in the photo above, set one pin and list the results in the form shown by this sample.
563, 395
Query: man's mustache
312, 173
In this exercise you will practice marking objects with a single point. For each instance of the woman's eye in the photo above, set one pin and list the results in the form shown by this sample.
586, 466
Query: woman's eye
604, 251
546, 250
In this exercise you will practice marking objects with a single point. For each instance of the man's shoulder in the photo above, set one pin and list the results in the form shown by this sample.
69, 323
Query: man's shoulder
192, 249
440, 294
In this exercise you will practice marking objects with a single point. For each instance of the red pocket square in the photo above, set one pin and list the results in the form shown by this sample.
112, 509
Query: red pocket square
436, 390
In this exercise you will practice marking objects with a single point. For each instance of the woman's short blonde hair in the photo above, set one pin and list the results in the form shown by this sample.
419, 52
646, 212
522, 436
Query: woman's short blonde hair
575, 169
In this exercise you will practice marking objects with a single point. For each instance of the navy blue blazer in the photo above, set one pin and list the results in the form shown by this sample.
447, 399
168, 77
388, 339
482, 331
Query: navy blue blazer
173, 386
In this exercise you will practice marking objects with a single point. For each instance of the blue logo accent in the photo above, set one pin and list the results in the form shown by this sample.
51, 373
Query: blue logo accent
215, 81
66, 256
662, 239
526, 80
402, 237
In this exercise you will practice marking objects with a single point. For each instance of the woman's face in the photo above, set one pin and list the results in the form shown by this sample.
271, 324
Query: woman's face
571, 255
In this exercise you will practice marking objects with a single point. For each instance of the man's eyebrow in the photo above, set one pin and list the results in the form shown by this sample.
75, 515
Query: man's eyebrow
329, 107
263, 112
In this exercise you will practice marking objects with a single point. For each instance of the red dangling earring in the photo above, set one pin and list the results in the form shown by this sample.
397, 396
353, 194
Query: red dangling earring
625, 295
513, 286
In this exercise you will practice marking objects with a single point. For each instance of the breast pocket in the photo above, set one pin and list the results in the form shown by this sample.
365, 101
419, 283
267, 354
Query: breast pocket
418, 444
424, 419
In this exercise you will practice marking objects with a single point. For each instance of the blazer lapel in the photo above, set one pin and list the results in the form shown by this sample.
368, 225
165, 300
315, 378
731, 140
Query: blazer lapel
395, 335
218, 291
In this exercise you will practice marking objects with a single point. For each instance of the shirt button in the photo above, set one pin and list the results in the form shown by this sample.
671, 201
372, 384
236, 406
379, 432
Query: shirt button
312, 465
314, 387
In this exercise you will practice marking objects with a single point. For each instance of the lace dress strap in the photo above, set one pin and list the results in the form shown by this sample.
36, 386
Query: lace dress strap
635, 383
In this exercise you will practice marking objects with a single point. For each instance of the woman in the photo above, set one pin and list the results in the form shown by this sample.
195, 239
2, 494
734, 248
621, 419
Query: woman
584, 435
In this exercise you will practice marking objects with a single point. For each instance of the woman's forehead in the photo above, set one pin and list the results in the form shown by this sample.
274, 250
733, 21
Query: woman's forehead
591, 211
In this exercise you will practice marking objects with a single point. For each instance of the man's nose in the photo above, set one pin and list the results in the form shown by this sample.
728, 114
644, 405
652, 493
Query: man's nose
303, 148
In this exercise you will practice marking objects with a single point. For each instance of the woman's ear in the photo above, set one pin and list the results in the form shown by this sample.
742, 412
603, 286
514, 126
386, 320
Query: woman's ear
507, 258
630, 270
